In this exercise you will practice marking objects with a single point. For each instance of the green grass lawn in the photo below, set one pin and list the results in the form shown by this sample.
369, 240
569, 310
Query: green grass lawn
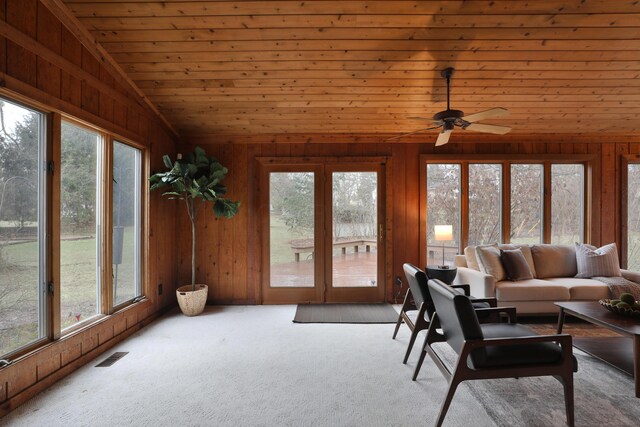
19, 286
280, 236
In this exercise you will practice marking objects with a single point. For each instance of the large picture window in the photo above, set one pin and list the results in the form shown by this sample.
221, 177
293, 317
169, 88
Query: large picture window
507, 201
22, 227
70, 226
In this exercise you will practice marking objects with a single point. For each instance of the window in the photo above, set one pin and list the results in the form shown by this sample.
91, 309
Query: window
510, 201
79, 224
485, 201
127, 224
567, 203
94, 239
443, 201
22, 227
631, 217
526, 203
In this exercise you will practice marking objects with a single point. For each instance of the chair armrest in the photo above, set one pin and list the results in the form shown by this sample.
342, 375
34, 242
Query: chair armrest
481, 284
562, 339
509, 311
493, 302
465, 288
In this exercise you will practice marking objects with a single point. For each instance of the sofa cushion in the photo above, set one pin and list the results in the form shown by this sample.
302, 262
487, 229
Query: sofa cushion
515, 265
582, 289
554, 260
526, 251
489, 261
592, 262
531, 290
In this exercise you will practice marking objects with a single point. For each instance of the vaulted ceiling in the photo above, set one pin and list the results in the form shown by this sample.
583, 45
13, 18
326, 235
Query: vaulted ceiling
365, 67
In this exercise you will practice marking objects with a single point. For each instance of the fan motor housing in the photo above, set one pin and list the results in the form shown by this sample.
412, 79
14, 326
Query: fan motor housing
448, 114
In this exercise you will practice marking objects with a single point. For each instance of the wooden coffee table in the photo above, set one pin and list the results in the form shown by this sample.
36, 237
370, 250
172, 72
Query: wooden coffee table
619, 352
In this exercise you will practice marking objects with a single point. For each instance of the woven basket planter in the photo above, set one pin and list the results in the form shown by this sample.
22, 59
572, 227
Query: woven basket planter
192, 302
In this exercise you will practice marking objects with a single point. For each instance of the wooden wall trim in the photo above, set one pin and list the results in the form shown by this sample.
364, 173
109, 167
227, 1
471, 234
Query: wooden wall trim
60, 11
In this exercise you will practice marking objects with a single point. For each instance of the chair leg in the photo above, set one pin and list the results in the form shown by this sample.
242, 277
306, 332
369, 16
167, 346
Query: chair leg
453, 385
398, 323
567, 382
423, 353
412, 340
405, 306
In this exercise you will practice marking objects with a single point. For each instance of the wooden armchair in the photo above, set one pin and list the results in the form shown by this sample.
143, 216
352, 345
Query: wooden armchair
495, 350
418, 298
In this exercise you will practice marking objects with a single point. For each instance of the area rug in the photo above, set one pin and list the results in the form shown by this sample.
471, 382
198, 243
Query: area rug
604, 396
345, 313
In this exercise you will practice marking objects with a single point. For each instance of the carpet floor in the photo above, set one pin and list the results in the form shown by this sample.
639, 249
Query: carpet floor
251, 366
345, 313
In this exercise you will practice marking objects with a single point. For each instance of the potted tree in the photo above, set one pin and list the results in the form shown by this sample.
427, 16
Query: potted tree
196, 179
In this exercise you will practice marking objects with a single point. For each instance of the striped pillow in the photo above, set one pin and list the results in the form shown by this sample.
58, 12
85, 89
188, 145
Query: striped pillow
594, 262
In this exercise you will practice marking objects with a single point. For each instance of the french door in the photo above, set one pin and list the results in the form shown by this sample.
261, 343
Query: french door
322, 239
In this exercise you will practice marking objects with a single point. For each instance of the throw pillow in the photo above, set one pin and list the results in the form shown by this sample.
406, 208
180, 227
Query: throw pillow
526, 251
515, 265
470, 255
594, 262
489, 261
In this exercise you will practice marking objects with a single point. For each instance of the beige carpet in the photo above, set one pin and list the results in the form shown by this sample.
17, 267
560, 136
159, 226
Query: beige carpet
251, 366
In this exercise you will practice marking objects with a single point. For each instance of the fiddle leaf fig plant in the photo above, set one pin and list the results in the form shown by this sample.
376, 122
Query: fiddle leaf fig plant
195, 179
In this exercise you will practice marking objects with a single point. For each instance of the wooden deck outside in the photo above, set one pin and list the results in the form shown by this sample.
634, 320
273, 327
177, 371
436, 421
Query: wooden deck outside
354, 269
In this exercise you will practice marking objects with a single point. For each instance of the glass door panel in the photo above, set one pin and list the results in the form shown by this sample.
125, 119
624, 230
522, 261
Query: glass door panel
353, 244
354, 229
291, 229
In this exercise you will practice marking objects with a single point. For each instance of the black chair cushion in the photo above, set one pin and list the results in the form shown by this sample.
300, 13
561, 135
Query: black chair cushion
513, 355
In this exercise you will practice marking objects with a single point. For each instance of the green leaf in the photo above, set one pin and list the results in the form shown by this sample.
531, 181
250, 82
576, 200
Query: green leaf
167, 161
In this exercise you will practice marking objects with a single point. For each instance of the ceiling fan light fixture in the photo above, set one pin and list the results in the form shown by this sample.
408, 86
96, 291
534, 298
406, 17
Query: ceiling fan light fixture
447, 127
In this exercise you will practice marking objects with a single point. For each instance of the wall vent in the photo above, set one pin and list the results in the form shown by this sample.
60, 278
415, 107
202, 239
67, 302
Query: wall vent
112, 359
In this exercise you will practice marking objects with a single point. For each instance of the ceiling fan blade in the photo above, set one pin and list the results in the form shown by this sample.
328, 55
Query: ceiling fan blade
419, 118
410, 133
487, 114
443, 138
479, 127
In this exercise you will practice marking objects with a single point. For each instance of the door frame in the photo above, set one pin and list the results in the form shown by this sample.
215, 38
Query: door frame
265, 165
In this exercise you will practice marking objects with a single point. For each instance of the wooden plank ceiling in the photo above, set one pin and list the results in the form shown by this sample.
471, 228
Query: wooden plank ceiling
364, 67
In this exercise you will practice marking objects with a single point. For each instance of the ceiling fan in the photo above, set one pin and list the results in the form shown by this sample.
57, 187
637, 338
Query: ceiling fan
449, 119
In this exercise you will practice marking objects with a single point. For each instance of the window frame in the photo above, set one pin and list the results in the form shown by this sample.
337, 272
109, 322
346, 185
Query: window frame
506, 160
49, 203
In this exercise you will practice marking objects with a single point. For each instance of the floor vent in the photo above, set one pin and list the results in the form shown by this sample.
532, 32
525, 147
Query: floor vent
112, 359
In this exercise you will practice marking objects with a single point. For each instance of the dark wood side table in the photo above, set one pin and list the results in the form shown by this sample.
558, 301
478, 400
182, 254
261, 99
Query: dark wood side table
445, 274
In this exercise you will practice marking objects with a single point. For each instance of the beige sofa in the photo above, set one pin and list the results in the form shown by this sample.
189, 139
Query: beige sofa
553, 268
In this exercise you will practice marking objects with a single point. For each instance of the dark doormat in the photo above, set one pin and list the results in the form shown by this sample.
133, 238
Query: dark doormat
345, 313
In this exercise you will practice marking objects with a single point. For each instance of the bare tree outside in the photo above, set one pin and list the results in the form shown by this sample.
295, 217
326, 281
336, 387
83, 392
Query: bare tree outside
526, 203
485, 203
443, 208
567, 203
633, 217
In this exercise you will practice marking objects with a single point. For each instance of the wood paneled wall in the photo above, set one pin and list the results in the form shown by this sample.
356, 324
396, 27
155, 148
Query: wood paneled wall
228, 254
42, 61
